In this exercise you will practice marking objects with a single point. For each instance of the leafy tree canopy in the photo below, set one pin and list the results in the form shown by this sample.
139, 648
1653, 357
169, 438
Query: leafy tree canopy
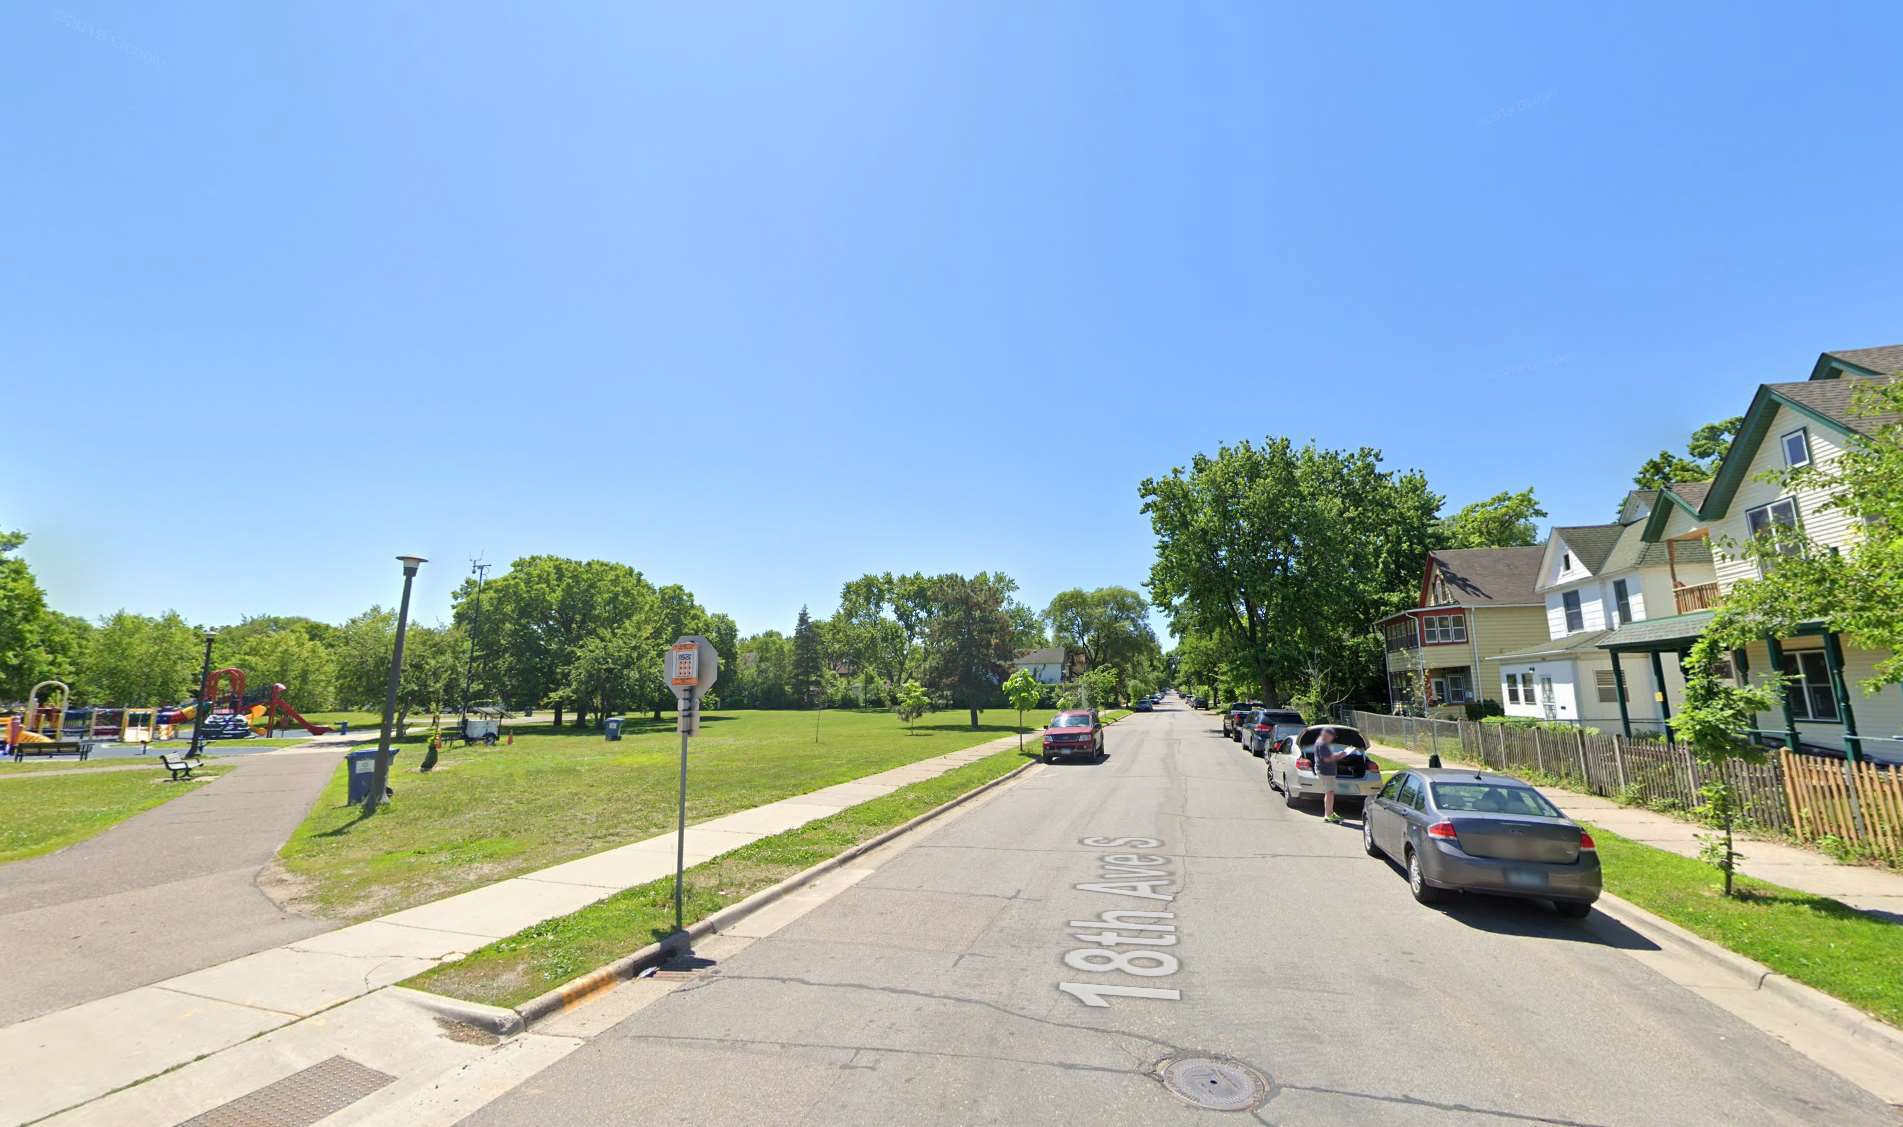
1504, 520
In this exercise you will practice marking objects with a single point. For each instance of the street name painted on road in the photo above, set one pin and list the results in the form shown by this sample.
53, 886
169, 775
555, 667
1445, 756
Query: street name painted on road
1143, 876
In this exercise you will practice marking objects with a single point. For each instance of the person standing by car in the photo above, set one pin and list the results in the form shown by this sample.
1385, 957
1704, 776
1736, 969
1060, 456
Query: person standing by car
1325, 757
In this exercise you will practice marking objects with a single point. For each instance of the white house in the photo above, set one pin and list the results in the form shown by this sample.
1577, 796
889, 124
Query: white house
1047, 664
1595, 579
1787, 425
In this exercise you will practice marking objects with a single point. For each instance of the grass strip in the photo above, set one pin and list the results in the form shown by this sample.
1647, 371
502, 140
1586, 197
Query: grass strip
51, 814
1850, 955
510, 971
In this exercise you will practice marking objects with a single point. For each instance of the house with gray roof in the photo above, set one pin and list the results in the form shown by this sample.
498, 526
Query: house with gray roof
1595, 579
1788, 425
1474, 603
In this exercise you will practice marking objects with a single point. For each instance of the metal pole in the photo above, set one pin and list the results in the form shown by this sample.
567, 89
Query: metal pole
680, 834
198, 714
381, 780
475, 624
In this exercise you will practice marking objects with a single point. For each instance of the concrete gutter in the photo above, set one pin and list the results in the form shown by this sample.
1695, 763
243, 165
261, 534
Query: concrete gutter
508, 1022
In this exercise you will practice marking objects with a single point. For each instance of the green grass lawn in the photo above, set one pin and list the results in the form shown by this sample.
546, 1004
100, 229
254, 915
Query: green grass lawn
1812, 939
68, 763
486, 814
46, 814
510, 971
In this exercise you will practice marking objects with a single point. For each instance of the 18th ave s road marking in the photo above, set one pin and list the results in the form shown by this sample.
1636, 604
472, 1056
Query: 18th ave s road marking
1142, 876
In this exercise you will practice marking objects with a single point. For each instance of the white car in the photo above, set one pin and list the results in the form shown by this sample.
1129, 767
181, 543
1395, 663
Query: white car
1292, 772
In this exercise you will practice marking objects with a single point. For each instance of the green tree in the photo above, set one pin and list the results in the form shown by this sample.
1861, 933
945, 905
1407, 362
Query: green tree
1712, 722
1287, 556
1504, 520
970, 638
913, 702
1097, 688
290, 657
1707, 447
133, 660
1110, 625
35, 643
1024, 692
808, 664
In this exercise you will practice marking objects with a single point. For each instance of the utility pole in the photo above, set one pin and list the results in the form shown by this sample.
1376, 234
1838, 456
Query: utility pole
380, 782
204, 705
481, 570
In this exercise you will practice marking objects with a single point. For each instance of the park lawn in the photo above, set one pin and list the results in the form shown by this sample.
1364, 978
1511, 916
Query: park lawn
511, 971
29, 766
1815, 940
46, 814
553, 795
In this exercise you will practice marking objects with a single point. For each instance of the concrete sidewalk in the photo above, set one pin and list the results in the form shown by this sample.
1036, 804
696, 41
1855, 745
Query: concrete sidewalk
1868, 889
173, 1022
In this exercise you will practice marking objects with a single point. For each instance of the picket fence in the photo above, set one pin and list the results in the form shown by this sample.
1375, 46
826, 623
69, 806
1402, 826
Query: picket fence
1805, 796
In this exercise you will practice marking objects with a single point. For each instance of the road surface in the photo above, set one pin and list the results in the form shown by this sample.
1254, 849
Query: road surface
932, 991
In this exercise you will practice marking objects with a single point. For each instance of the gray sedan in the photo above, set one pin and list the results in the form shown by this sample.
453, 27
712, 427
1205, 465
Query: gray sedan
1474, 831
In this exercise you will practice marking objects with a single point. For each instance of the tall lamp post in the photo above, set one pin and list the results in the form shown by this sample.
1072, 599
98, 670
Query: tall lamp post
198, 714
380, 782
475, 623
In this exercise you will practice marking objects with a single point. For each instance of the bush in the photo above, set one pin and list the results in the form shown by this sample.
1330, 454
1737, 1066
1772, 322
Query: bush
1483, 709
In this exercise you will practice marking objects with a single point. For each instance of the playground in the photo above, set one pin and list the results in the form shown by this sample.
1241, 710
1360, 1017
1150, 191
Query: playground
51, 725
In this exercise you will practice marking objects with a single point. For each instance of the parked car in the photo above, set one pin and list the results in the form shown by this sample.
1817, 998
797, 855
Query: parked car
1199, 702
1144, 705
1073, 732
1271, 725
1292, 772
1232, 717
1475, 831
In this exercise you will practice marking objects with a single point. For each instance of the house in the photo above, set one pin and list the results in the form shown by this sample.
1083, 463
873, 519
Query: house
1787, 425
1474, 604
1051, 665
1596, 579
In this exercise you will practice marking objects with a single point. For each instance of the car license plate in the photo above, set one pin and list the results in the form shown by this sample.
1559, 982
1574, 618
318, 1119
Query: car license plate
1526, 878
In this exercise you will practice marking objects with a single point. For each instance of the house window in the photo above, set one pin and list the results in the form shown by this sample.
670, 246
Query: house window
1442, 629
1565, 562
1451, 688
1575, 616
1513, 688
1608, 686
1622, 601
1809, 688
1781, 513
1797, 448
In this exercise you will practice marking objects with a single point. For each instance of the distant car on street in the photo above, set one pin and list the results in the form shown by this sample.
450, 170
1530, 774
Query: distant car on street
1270, 725
1232, 717
1144, 705
1199, 702
1292, 771
1475, 831
1074, 732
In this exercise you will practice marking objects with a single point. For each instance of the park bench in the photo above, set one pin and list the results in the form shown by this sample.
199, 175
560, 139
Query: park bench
180, 765
80, 748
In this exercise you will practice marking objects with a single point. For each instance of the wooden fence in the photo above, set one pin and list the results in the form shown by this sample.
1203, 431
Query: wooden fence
1803, 795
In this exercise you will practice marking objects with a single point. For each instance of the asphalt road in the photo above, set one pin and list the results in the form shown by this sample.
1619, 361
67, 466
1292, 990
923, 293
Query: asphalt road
930, 991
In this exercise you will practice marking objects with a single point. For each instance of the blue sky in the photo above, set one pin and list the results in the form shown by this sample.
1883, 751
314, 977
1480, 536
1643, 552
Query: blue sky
760, 298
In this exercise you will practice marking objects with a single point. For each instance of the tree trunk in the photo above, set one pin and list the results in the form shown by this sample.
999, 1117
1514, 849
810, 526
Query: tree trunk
558, 714
974, 717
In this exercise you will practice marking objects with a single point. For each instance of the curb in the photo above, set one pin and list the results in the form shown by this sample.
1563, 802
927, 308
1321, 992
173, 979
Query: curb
1753, 975
578, 990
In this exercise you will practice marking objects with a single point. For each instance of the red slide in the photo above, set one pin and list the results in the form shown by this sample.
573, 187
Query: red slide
278, 706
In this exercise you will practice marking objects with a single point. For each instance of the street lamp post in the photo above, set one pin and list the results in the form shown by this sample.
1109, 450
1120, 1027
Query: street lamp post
380, 782
198, 714
475, 624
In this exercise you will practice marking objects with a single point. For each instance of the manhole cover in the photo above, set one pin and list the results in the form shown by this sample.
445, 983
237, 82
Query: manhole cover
1219, 1085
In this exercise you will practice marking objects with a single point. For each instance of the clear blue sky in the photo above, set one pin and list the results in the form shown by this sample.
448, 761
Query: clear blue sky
760, 298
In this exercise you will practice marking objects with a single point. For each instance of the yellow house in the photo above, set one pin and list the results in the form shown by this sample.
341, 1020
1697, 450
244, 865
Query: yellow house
1808, 422
1475, 604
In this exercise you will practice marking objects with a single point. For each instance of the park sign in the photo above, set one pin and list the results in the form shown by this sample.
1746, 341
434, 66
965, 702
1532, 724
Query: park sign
691, 668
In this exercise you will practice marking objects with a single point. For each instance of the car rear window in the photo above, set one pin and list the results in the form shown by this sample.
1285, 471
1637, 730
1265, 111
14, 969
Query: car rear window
1070, 722
1283, 717
1492, 798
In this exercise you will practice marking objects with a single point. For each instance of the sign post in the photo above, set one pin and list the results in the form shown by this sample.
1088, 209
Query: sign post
691, 667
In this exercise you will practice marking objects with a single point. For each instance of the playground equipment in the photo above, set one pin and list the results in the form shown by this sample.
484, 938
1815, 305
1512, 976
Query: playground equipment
43, 723
276, 708
224, 716
142, 725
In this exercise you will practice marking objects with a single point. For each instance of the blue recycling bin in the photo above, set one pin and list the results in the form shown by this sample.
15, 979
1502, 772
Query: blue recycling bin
362, 771
614, 727
343, 728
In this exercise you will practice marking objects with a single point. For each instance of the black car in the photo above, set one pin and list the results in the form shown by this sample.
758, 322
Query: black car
1234, 716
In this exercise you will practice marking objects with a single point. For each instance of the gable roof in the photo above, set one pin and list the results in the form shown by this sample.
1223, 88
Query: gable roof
1835, 401
1049, 655
1886, 360
1591, 544
1479, 577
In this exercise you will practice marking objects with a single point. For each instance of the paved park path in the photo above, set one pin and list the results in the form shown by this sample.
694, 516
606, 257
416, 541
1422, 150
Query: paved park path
166, 891
1863, 887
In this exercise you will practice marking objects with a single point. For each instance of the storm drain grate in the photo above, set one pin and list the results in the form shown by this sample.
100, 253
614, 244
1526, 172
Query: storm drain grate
1214, 1083
300, 1099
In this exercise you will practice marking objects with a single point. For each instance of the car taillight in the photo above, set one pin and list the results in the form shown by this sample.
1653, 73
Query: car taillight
1304, 763
1585, 843
1261, 727
1441, 829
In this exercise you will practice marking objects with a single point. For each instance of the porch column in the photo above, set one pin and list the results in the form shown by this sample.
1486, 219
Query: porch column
1834, 660
1618, 682
1665, 708
1777, 669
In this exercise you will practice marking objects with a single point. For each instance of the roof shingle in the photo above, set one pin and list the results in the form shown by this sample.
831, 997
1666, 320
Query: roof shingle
1836, 400
1478, 577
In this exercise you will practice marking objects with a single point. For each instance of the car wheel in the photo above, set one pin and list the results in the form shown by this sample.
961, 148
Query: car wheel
1048, 757
1573, 909
1288, 798
1270, 772
1367, 836
1417, 882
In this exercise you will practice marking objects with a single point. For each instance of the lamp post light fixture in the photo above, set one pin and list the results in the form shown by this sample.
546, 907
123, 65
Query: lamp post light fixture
380, 782
198, 714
